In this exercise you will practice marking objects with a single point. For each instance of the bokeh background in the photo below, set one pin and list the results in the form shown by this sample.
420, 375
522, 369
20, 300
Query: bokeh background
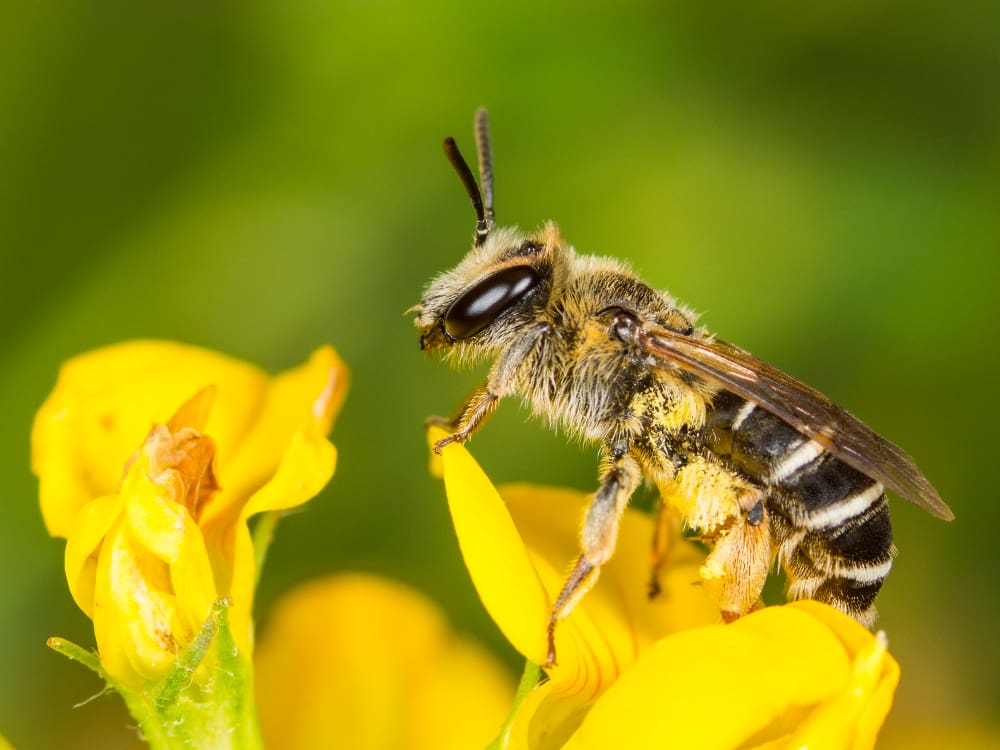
821, 180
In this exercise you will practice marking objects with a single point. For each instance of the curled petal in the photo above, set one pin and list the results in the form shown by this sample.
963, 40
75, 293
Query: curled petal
94, 521
137, 625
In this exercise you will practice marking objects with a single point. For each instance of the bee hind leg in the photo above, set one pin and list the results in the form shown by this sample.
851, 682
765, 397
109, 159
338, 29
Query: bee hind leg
736, 570
619, 478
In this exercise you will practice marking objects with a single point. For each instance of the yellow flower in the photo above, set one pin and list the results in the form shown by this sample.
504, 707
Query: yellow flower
357, 661
153, 506
634, 673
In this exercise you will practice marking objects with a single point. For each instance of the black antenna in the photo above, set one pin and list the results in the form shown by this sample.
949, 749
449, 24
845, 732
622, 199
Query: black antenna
485, 220
485, 164
465, 175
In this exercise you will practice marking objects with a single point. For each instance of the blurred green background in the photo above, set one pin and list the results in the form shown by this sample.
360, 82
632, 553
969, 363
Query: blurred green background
821, 181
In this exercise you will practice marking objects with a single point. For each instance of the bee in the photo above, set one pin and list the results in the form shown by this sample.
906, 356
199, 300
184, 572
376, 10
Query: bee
761, 466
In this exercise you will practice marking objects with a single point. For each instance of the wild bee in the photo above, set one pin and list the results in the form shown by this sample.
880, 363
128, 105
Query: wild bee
760, 465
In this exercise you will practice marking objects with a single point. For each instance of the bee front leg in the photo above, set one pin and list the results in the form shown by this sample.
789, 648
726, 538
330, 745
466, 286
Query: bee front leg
470, 417
619, 478
502, 381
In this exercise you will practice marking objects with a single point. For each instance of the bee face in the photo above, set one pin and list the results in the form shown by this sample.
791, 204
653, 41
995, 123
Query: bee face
482, 303
762, 465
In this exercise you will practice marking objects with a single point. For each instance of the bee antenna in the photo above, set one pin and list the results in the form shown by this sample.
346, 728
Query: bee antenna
465, 175
485, 163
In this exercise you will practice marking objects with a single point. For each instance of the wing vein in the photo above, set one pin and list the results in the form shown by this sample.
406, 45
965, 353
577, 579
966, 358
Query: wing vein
801, 406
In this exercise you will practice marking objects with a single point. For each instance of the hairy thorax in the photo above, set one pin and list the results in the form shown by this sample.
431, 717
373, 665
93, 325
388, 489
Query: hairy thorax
597, 385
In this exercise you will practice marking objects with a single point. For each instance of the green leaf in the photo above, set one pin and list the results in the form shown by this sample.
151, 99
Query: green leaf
77, 653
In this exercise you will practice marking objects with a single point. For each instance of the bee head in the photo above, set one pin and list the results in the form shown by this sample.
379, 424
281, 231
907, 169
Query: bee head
487, 297
485, 301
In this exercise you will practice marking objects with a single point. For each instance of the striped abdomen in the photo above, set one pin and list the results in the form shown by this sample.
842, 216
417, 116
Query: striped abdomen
829, 521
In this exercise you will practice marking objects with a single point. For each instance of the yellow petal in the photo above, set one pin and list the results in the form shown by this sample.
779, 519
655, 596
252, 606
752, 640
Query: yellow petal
91, 525
154, 511
192, 579
239, 581
304, 469
757, 681
501, 568
136, 622
104, 403
303, 400
194, 412
356, 661
853, 718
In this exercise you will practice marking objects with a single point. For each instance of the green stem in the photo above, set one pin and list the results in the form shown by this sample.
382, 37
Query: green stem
206, 700
529, 679
263, 535
235, 678
170, 687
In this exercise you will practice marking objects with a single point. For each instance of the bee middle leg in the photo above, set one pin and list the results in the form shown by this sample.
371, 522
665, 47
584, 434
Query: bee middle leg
620, 476
667, 527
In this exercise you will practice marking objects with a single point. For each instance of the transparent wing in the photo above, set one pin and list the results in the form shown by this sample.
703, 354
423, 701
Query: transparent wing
803, 407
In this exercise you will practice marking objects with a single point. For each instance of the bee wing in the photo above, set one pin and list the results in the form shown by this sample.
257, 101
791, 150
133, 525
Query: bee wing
802, 407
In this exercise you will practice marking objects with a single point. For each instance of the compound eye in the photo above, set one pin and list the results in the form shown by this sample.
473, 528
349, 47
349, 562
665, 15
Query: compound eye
485, 302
